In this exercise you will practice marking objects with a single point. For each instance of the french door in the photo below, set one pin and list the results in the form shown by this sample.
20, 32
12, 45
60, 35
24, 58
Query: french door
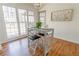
22, 14
17, 21
26, 20
10, 21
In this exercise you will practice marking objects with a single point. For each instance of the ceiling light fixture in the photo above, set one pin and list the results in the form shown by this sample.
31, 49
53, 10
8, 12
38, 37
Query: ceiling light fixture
37, 5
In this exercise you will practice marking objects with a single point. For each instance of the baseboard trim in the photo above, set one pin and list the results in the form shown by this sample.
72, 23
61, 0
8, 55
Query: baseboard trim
66, 40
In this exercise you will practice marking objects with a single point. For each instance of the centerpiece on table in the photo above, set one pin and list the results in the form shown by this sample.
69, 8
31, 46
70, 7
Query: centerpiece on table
38, 26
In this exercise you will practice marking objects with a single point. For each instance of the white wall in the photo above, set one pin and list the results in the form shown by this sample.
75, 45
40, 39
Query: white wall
3, 35
68, 30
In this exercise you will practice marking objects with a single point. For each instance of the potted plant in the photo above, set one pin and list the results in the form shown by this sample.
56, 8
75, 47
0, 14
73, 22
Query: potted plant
38, 24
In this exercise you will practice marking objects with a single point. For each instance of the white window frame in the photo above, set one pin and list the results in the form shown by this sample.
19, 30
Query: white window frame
44, 25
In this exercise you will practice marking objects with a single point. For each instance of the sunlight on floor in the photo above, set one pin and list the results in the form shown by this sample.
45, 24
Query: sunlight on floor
18, 48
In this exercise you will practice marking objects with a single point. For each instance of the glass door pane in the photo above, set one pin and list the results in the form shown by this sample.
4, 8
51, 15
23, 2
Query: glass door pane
10, 21
22, 28
22, 21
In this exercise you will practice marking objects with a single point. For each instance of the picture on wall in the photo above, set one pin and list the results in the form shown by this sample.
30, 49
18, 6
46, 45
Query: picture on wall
62, 15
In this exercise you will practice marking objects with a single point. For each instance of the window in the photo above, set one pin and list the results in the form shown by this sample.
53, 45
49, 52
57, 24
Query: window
42, 17
17, 21
26, 20
31, 18
22, 20
10, 21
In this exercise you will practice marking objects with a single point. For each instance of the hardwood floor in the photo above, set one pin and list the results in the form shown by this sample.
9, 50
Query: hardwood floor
63, 48
16, 48
58, 47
